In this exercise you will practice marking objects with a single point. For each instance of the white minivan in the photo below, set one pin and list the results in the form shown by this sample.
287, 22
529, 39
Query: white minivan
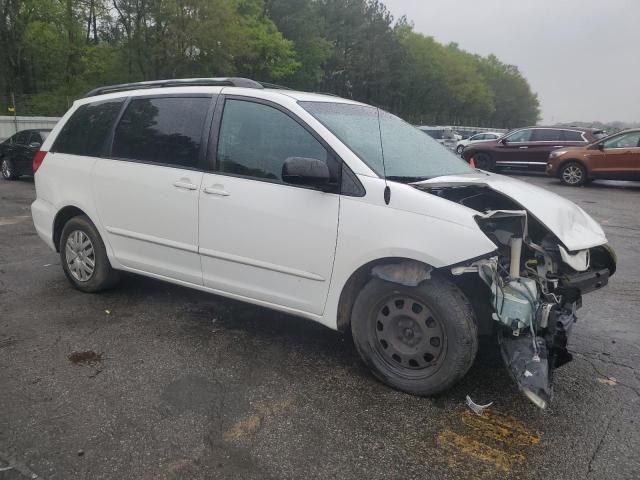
324, 208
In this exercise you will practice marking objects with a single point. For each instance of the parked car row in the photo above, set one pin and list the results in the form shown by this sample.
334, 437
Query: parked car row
444, 135
574, 155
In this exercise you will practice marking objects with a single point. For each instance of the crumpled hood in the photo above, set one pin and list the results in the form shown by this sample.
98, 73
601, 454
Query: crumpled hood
572, 225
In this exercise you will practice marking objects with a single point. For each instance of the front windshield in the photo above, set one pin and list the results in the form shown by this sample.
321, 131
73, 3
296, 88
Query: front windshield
409, 154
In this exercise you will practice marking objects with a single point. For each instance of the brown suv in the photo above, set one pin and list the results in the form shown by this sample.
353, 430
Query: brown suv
527, 147
616, 157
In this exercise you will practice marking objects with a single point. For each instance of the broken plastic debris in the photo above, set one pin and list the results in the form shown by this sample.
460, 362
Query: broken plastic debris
108, 312
607, 381
475, 408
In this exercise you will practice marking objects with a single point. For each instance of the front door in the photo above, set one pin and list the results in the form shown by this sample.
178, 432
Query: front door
146, 192
262, 239
515, 149
623, 156
618, 157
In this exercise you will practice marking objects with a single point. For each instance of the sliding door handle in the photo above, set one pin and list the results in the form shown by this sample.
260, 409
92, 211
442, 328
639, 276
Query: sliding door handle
216, 190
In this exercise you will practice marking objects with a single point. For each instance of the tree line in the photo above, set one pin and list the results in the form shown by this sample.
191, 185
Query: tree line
53, 51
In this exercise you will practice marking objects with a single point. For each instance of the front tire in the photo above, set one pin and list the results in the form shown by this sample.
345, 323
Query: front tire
7, 169
573, 174
459, 149
84, 256
421, 340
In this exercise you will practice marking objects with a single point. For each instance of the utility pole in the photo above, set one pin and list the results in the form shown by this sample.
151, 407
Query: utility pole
15, 113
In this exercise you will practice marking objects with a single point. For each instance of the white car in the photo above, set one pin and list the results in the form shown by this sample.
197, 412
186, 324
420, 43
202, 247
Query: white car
444, 135
478, 137
323, 208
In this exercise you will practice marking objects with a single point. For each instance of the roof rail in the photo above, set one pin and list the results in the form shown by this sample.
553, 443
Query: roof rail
183, 82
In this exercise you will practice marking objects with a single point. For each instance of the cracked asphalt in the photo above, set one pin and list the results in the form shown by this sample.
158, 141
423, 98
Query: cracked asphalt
154, 381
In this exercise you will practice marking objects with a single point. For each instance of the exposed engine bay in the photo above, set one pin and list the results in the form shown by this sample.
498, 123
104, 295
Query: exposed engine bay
535, 284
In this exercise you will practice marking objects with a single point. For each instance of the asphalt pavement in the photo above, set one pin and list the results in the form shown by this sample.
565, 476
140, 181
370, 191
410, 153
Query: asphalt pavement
155, 381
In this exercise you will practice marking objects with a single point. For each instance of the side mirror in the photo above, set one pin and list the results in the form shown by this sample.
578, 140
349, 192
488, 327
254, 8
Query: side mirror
304, 171
34, 145
600, 146
503, 141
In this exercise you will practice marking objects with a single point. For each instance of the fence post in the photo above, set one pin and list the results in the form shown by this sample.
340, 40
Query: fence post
15, 113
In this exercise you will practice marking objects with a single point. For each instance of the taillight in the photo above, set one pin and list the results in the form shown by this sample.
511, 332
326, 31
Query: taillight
37, 160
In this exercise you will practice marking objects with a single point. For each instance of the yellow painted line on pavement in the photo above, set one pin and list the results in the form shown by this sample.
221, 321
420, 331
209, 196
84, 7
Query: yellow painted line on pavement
14, 220
502, 428
457, 443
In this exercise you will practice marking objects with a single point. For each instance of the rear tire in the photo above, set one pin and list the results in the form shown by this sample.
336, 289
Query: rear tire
483, 161
573, 174
84, 256
459, 149
7, 169
421, 340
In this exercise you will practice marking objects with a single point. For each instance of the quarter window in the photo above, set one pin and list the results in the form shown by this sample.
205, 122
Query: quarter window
520, 136
35, 138
166, 130
87, 130
255, 140
572, 136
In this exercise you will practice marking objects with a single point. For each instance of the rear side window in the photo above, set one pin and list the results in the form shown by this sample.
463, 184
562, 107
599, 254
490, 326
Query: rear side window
546, 135
255, 140
87, 130
165, 130
572, 136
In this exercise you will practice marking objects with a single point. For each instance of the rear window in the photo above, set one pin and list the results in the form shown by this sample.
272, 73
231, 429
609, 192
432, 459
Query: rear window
165, 130
87, 130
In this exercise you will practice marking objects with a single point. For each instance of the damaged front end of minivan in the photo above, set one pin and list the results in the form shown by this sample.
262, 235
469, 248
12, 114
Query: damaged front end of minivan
535, 283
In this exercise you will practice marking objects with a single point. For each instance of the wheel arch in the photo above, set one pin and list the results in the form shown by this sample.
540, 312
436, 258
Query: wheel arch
62, 217
359, 278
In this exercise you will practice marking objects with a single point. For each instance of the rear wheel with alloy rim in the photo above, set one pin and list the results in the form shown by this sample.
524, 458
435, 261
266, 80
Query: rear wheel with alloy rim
84, 256
573, 174
420, 340
459, 149
6, 167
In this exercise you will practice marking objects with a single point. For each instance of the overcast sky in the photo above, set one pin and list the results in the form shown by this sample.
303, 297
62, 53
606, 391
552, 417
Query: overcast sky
582, 57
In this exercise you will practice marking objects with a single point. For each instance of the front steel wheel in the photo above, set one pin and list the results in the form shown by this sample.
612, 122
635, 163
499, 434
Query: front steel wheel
409, 335
420, 340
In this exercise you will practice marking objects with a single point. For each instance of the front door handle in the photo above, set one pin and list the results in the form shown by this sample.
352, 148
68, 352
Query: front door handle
216, 190
523, 147
558, 146
185, 183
